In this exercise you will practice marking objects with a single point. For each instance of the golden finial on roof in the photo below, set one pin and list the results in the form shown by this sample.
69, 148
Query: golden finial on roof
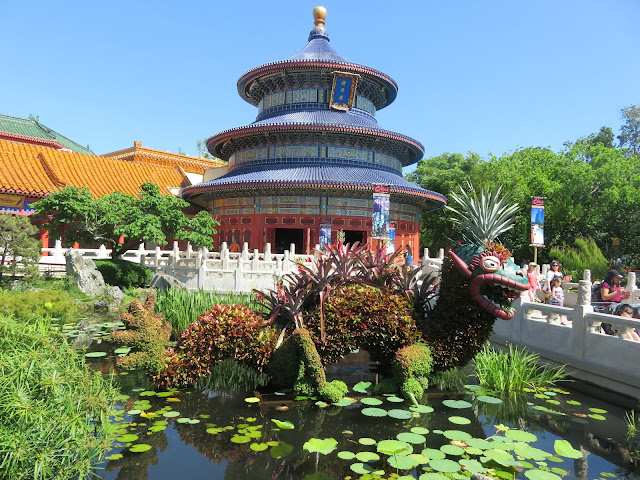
319, 14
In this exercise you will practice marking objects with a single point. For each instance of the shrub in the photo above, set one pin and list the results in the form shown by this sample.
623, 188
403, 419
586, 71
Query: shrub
147, 333
333, 391
43, 303
414, 361
297, 358
181, 307
359, 316
224, 332
304, 386
123, 273
387, 385
411, 388
54, 410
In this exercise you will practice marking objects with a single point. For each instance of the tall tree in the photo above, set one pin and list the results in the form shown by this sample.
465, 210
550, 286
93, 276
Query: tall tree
630, 131
151, 217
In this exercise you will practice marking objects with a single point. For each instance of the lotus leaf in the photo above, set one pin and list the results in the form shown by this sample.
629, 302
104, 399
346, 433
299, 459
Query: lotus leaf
286, 425
127, 438
95, 354
520, 436
597, 416
184, 420
541, 475
324, 446
240, 439
573, 402
258, 447
363, 387
280, 450
374, 412
500, 456
444, 465
433, 476
345, 402
395, 399
402, 462
456, 404
115, 456
140, 447
364, 468
400, 414
171, 414
488, 399
421, 459
452, 450
459, 420
420, 430
366, 441
527, 451
409, 437
134, 412
394, 447
564, 448
366, 457
148, 393
457, 435
371, 401
421, 408
345, 455
472, 466
433, 454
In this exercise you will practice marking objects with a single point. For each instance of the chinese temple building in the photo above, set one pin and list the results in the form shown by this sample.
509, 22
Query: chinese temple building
315, 151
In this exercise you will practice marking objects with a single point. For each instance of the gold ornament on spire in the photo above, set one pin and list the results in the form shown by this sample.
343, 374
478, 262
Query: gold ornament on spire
319, 15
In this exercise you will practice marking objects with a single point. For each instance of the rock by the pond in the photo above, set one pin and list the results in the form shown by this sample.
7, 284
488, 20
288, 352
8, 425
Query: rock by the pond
84, 273
113, 299
163, 282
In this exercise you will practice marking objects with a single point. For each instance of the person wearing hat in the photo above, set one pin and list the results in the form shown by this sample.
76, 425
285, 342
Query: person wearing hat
610, 288
534, 284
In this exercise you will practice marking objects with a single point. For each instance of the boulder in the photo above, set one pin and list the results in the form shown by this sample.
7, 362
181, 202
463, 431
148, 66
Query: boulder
113, 299
163, 282
84, 273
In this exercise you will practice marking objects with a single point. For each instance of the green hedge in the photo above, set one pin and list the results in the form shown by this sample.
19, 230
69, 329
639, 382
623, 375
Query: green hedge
123, 273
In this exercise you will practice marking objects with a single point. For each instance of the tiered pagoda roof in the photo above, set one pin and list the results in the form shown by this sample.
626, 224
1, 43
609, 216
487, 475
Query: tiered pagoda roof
294, 110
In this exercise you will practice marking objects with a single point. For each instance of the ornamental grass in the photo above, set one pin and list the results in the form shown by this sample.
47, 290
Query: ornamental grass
514, 371
54, 410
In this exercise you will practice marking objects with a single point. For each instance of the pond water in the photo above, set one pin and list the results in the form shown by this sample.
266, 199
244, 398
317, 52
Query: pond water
262, 435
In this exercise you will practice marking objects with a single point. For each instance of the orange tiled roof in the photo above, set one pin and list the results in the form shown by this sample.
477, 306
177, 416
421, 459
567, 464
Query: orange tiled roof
141, 154
37, 171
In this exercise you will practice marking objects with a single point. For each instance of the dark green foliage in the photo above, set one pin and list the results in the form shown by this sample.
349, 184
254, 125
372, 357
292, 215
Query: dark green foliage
123, 273
229, 375
413, 361
585, 255
304, 386
54, 410
458, 327
410, 387
297, 359
147, 334
16, 241
225, 331
333, 391
364, 317
387, 385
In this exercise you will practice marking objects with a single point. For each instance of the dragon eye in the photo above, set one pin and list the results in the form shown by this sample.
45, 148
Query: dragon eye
490, 264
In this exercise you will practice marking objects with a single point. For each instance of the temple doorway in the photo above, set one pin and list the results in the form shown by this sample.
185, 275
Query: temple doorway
286, 236
353, 236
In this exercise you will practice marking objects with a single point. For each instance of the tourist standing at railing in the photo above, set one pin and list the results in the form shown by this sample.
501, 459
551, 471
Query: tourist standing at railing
554, 271
556, 296
534, 284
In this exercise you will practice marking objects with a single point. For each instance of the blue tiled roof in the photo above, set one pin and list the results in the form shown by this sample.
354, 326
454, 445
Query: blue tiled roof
340, 176
318, 49
323, 117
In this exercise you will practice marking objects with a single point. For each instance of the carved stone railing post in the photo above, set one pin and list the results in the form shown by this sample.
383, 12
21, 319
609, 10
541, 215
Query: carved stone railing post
267, 252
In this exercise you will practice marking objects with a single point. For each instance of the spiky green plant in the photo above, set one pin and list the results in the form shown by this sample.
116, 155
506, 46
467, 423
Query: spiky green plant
586, 254
513, 371
484, 215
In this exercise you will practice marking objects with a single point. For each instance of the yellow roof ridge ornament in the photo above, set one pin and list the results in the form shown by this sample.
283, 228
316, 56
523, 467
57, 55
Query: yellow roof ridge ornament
319, 15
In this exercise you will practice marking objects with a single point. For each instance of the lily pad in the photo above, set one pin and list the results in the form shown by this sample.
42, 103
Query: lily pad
409, 437
366, 457
395, 399
127, 438
134, 412
473, 466
433, 476
363, 387
364, 468
457, 435
597, 416
371, 401
121, 350
345, 402
433, 454
346, 455
444, 465
148, 393
171, 414
421, 459
520, 436
374, 412
394, 447
400, 414
184, 420
140, 447
541, 475
240, 439
367, 441
488, 399
527, 451
252, 399
452, 450
421, 408
95, 354
564, 449
456, 404
286, 425
324, 446
281, 450
115, 456
402, 462
420, 430
459, 420
258, 447
573, 402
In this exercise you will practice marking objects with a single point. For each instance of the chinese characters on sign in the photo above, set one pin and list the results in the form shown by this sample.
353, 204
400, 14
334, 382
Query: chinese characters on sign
537, 221
380, 224
343, 91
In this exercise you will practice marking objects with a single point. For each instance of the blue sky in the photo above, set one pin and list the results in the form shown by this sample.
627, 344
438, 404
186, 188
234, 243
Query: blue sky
485, 77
